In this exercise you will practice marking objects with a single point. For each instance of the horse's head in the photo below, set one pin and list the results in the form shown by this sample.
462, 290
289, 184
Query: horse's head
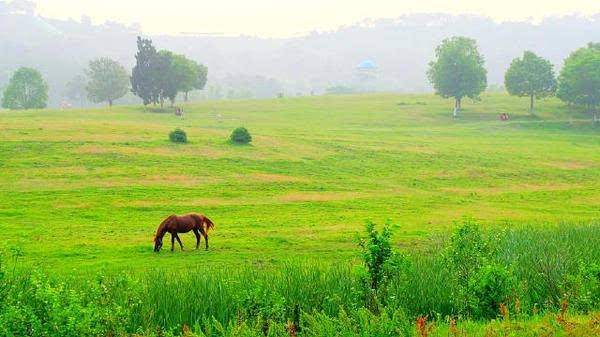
157, 243
160, 233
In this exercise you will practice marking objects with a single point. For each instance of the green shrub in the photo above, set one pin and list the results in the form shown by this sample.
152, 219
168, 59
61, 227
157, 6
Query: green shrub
491, 286
585, 287
381, 265
465, 254
466, 251
376, 253
240, 136
178, 136
42, 307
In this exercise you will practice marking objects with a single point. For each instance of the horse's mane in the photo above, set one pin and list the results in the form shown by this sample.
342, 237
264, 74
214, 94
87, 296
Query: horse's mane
161, 227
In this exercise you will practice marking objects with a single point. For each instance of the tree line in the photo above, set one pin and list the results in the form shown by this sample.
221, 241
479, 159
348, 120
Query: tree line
156, 77
458, 71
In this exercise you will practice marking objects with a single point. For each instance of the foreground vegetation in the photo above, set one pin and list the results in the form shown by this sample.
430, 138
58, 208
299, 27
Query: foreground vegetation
508, 275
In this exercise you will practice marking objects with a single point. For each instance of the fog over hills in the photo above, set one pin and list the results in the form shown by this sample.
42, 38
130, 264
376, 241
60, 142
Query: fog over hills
244, 66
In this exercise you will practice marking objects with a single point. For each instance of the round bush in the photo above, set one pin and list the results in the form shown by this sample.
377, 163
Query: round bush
178, 136
240, 136
491, 287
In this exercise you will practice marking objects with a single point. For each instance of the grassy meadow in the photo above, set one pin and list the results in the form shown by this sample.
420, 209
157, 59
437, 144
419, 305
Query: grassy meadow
86, 189
82, 192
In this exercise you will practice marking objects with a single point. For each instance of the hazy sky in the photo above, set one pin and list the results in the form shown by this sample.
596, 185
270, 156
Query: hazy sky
278, 18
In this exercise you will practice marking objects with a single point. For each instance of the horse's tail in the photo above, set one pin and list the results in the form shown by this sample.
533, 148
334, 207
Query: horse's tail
209, 224
202, 220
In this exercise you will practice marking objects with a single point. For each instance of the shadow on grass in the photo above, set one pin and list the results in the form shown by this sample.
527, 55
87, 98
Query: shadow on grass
157, 109
236, 144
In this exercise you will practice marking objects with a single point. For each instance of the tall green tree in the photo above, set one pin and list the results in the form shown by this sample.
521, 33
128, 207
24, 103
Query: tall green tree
166, 77
202, 71
26, 90
158, 76
76, 89
144, 74
458, 70
530, 76
186, 72
579, 79
108, 81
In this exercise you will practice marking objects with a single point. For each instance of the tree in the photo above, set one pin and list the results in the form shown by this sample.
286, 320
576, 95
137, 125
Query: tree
202, 76
531, 76
26, 90
457, 70
76, 89
162, 75
186, 72
166, 77
108, 81
177, 74
143, 78
579, 80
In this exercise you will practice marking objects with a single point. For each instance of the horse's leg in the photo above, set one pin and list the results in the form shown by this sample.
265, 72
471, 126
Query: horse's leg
172, 242
206, 239
179, 240
197, 238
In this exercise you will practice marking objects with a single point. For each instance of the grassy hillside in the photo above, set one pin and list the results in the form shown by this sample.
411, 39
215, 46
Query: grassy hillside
84, 189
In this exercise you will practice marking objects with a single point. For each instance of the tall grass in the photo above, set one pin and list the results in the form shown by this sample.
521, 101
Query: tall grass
547, 265
547, 261
550, 267
186, 297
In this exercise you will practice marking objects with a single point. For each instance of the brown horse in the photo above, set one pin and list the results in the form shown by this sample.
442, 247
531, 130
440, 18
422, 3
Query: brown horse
183, 224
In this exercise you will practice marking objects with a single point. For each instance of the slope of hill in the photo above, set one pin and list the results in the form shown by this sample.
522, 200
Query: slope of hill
89, 187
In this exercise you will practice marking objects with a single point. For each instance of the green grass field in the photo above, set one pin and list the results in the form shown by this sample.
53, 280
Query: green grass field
82, 190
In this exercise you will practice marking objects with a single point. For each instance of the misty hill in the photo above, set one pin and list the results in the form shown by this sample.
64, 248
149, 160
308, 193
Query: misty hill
243, 66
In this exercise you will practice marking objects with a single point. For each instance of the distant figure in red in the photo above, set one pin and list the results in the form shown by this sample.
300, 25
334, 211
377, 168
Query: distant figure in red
504, 116
178, 112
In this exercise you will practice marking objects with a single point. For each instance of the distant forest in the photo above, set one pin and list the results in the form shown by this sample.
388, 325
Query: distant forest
253, 67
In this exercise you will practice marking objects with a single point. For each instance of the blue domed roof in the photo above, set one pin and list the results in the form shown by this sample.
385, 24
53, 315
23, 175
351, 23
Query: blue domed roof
367, 64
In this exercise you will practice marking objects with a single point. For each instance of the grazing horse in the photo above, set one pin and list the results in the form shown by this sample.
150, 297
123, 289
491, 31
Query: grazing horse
183, 224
